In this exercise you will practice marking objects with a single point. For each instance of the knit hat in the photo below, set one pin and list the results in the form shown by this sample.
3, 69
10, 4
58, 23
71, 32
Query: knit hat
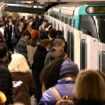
68, 68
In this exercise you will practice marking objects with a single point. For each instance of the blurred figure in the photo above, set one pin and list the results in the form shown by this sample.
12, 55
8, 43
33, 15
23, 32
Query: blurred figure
31, 46
21, 73
89, 88
22, 44
8, 34
1, 38
58, 45
61, 74
19, 31
5, 76
38, 63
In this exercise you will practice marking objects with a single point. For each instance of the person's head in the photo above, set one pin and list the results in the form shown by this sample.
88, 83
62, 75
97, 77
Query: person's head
50, 74
46, 43
52, 33
90, 85
3, 50
68, 69
21, 25
59, 44
59, 54
18, 64
26, 35
59, 34
10, 23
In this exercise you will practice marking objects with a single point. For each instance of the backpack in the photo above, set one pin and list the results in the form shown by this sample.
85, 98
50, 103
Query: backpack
60, 100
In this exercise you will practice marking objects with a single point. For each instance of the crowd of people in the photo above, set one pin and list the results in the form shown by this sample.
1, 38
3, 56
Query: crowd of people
34, 62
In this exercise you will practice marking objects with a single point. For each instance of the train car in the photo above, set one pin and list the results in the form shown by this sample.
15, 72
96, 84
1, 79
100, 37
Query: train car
83, 27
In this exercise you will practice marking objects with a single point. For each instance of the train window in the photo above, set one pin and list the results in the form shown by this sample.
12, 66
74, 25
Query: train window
102, 61
69, 21
82, 54
62, 19
70, 45
66, 20
74, 23
88, 26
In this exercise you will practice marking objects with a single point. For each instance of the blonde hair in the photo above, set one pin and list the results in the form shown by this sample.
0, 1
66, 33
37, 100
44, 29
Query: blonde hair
90, 85
18, 64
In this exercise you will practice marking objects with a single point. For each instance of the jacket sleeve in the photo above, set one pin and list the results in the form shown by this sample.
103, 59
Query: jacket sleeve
47, 99
6, 84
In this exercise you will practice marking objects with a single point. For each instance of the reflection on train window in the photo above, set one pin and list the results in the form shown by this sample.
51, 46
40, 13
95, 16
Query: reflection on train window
88, 26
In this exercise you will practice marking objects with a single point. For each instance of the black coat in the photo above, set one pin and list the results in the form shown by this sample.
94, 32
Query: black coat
38, 64
6, 82
88, 102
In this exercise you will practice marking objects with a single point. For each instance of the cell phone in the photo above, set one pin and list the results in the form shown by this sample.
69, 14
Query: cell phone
18, 83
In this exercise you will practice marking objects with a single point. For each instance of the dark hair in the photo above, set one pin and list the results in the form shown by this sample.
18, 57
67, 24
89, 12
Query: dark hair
3, 50
58, 54
52, 32
26, 33
50, 74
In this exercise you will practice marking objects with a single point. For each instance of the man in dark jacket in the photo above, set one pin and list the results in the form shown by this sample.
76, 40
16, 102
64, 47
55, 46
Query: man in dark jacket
5, 77
22, 44
58, 45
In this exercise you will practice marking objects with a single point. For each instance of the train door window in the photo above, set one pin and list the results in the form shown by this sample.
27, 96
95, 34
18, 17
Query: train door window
70, 45
102, 61
82, 54
88, 26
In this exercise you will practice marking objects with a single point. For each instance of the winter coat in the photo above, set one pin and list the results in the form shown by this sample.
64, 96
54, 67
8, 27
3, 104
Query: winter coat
48, 58
64, 87
23, 93
22, 47
6, 82
38, 64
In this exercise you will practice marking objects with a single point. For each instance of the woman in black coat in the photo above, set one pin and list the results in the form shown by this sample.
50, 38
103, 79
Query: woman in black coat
38, 64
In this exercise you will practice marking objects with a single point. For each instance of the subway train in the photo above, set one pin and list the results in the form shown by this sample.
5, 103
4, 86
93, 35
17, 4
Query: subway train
83, 28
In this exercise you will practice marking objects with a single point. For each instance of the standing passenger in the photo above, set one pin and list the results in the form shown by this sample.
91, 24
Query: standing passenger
65, 71
22, 44
21, 73
38, 64
58, 45
5, 76
89, 88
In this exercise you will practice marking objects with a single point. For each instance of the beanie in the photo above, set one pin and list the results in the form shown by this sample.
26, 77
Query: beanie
68, 69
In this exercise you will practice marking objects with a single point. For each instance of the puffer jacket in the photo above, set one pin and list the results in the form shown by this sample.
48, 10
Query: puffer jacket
64, 87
